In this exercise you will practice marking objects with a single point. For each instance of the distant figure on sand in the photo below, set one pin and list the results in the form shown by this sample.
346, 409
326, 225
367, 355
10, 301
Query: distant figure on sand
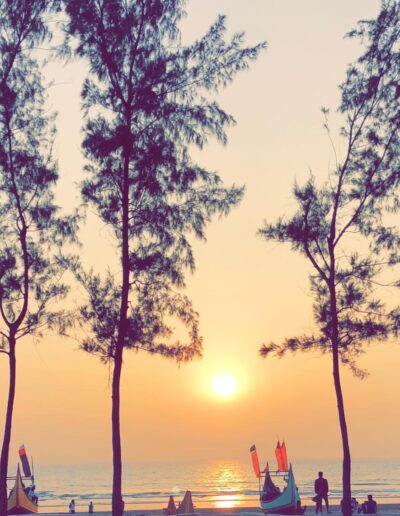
72, 506
369, 506
321, 489
91, 507
354, 505
299, 508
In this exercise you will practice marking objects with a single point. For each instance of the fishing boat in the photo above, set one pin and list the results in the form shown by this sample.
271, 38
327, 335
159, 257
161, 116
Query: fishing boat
273, 500
22, 498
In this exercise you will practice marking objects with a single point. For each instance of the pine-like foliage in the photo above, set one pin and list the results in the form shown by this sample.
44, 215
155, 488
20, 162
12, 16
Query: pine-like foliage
144, 109
342, 226
147, 101
31, 231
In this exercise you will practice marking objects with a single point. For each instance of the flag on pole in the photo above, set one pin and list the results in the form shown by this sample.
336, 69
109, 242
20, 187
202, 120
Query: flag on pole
24, 461
284, 457
254, 460
278, 455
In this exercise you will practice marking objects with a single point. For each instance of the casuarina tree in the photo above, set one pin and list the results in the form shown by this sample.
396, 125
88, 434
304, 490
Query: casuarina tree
30, 229
148, 99
342, 228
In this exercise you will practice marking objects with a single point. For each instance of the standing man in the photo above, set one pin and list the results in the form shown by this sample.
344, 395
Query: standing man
321, 489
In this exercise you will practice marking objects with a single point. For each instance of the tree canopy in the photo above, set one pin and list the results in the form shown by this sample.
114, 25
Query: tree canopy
343, 227
147, 100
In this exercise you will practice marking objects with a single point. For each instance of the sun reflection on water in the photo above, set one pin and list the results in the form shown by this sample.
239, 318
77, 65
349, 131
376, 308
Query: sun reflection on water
228, 501
226, 479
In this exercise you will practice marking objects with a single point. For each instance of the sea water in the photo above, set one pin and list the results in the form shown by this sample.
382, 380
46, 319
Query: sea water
219, 484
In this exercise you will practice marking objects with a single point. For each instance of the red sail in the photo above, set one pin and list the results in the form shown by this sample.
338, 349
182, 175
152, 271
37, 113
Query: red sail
284, 457
278, 455
254, 460
24, 461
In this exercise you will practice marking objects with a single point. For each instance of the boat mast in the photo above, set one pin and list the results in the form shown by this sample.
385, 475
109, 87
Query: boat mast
33, 471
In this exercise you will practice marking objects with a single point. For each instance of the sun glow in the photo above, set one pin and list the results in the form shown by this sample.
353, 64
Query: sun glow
224, 385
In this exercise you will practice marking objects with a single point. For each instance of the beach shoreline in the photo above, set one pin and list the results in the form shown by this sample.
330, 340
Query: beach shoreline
383, 508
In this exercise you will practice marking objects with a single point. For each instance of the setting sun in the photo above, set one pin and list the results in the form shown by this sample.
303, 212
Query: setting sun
224, 385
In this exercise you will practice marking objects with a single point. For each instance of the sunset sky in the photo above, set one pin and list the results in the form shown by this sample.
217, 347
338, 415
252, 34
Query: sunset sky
246, 291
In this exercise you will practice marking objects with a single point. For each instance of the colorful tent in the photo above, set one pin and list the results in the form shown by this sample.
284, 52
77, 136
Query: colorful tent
186, 505
171, 508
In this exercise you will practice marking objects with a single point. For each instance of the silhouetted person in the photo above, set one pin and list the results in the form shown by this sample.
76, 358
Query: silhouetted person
91, 507
369, 506
354, 506
299, 508
321, 489
34, 497
72, 506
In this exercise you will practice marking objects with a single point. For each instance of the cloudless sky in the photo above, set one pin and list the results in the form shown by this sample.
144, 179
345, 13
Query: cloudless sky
246, 291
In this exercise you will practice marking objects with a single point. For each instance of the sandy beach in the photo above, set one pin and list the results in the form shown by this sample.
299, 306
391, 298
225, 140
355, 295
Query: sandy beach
383, 508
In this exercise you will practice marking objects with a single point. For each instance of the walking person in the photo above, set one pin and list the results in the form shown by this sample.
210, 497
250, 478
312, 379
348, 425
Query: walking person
91, 508
321, 489
72, 506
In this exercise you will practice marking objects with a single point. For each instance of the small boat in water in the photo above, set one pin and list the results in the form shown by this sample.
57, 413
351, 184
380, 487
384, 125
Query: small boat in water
22, 498
272, 499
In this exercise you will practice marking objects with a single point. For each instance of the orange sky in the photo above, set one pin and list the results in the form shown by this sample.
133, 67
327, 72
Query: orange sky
246, 291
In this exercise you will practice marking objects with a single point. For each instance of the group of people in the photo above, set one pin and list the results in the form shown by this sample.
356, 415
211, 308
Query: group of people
321, 489
72, 507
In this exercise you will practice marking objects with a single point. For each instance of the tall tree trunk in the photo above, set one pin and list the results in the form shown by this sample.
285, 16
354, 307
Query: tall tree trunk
117, 503
117, 508
7, 429
346, 468
331, 283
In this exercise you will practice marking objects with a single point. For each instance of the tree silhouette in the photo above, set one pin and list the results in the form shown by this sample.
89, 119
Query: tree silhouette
31, 231
341, 227
147, 100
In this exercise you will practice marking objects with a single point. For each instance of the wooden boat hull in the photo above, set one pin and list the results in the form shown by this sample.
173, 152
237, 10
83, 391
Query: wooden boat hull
18, 502
285, 503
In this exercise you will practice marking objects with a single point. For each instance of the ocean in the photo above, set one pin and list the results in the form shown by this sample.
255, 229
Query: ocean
220, 484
